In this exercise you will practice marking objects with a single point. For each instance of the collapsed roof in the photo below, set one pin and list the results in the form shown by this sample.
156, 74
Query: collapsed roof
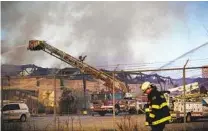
74, 74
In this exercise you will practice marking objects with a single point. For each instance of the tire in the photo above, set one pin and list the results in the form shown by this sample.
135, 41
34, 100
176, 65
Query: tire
179, 120
132, 111
102, 113
116, 111
9, 121
188, 117
23, 118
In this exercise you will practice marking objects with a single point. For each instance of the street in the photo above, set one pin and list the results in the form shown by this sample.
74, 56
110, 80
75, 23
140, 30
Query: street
91, 123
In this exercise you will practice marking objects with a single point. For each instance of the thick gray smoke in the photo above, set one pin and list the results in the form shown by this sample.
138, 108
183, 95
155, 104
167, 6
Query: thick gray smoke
103, 31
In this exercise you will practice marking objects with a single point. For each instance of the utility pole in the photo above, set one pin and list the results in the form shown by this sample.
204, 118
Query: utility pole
37, 84
184, 92
81, 58
54, 109
114, 101
2, 89
125, 81
9, 90
114, 114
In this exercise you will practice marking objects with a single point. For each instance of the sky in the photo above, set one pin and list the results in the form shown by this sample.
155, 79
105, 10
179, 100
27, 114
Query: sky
135, 35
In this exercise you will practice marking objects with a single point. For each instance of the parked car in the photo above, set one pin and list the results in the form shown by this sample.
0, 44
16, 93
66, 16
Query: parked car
15, 111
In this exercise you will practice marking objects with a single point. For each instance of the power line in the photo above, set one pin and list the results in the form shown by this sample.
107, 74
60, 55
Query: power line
144, 68
143, 64
205, 28
191, 51
164, 69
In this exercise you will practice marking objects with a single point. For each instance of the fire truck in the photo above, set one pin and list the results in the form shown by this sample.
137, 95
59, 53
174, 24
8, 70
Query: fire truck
196, 103
102, 103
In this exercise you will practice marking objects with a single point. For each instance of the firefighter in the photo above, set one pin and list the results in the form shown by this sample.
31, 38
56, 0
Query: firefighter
157, 111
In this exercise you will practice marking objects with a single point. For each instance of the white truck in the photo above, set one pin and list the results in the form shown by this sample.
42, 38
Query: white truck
194, 109
196, 104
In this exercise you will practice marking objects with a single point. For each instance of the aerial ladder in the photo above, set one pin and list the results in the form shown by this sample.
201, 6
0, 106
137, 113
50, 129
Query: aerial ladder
109, 81
36, 45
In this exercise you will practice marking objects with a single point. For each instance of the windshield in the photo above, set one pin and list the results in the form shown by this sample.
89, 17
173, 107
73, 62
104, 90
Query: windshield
109, 96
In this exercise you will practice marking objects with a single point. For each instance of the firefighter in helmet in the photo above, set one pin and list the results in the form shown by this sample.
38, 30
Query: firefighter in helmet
157, 110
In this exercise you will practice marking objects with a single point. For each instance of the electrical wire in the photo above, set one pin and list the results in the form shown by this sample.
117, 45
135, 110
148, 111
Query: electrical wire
144, 64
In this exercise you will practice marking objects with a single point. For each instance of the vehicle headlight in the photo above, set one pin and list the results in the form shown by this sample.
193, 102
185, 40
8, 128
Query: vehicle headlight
91, 106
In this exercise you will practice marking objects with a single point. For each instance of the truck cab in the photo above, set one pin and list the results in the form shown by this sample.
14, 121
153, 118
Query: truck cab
102, 103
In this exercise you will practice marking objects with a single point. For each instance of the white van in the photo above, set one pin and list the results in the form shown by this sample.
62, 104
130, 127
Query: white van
15, 111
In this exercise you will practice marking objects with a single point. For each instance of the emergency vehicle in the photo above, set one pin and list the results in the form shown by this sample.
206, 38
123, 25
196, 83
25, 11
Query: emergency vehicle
124, 102
196, 103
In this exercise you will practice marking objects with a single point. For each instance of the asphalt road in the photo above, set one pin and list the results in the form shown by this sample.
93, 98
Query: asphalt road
126, 122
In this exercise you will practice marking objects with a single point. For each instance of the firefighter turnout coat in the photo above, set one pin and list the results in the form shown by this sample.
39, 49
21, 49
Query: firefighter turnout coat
157, 110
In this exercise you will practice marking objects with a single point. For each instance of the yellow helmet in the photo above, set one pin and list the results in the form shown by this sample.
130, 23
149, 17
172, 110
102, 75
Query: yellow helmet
145, 86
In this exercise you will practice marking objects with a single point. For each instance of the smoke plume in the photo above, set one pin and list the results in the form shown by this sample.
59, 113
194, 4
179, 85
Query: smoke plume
101, 30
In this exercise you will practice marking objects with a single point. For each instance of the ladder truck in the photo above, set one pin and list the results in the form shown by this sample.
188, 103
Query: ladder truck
103, 103
196, 103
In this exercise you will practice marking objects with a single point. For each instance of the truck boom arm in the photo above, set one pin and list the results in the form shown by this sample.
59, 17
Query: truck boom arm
188, 88
36, 45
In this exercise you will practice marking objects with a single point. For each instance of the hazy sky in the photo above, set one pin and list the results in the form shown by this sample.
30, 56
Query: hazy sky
109, 33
